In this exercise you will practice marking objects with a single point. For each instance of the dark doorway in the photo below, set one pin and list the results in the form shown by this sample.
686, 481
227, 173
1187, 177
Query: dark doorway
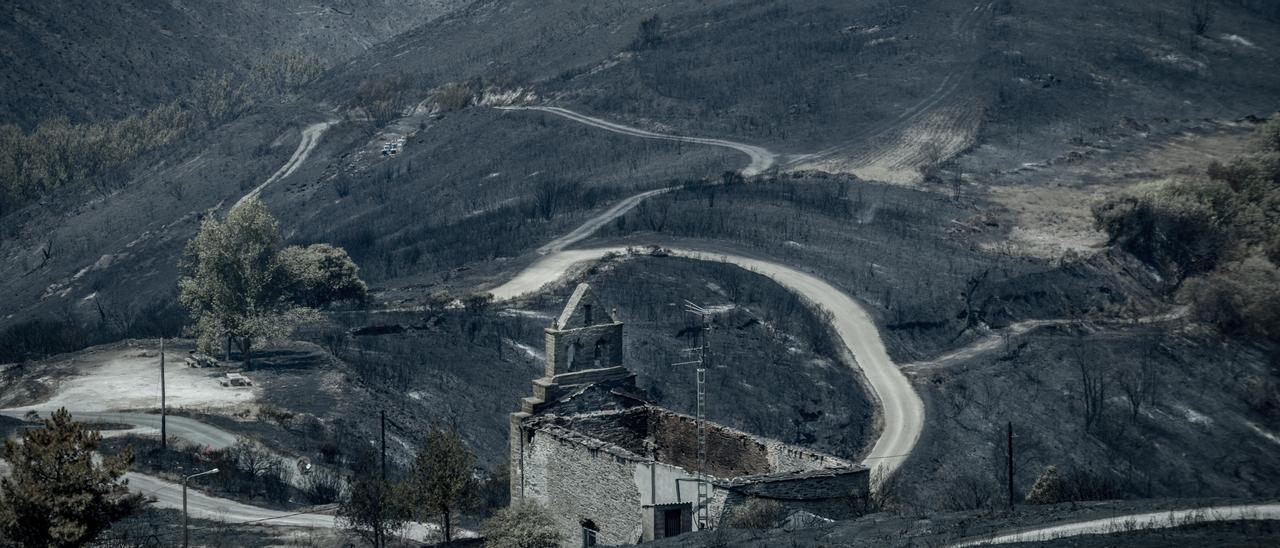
671, 522
589, 532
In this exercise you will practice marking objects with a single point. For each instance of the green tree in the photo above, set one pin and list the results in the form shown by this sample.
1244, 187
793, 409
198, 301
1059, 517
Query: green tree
524, 524
234, 284
322, 274
442, 481
1240, 298
374, 508
1269, 134
55, 494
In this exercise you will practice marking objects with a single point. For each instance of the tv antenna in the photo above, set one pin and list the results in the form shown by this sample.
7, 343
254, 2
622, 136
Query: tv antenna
701, 357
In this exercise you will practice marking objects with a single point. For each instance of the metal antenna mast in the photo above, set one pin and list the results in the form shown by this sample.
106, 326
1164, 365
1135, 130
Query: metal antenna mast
701, 354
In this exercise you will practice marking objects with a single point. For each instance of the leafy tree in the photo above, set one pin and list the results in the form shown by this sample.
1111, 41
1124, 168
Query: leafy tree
1269, 134
1174, 228
55, 494
442, 481
1241, 298
234, 284
374, 509
1216, 237
524, 524
321, 274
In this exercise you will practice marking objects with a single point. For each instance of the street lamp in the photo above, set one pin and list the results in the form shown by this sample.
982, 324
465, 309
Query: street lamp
186, 534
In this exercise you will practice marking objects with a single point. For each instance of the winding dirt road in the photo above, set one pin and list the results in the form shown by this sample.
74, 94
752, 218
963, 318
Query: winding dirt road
595, 223
310, 138
168, 494
1133, 522
183, 428
761, 158
902, 411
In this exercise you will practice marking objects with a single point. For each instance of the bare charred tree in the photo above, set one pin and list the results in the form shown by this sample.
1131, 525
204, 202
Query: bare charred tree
1093, 391
1200, 15
1138, 384
968, 490
970, 306
650, 32
552, 195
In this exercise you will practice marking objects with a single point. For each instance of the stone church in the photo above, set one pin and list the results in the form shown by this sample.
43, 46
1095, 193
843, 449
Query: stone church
614, 468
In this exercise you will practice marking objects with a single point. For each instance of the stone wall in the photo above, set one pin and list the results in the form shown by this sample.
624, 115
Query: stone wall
730, 453
789, 458
593, 347
579, 483
835, 494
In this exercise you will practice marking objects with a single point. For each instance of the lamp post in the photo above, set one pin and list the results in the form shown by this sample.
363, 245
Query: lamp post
186, 534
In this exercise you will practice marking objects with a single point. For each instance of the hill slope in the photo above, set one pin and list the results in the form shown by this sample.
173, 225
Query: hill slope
88, 61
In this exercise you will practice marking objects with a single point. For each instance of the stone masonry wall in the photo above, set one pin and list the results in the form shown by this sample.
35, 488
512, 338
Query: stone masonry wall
789, 458
730, 453
839, 495
578, 483
558, 343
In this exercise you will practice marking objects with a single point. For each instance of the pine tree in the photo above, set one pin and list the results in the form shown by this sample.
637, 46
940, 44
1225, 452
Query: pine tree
55, 495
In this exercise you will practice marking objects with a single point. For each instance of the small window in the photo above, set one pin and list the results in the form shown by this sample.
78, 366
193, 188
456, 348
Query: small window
589, 533
587, 311
598, 352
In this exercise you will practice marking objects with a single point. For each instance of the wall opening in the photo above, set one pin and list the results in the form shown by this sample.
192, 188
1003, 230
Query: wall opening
589, 532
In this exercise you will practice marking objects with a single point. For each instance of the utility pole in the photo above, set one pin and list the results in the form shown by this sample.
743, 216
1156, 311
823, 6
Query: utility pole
1010, 459
384, 445
164, 437
186, 532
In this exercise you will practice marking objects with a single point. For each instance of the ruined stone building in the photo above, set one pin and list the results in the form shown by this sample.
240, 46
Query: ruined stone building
614, 468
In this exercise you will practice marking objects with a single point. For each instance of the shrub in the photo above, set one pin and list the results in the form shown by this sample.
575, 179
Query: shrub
453, 96
524, 524
322, 486
755, 513
1048, 489
968, 490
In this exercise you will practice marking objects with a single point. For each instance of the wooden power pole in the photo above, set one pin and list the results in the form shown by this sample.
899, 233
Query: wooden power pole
1010, 459
384, 445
